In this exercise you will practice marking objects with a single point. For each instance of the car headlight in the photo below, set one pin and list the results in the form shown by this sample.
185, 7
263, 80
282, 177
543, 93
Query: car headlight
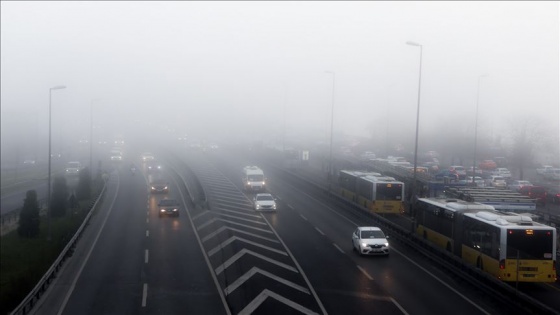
153, 188
386, 244
258, 206
364, 244
174, 210
162, 210
274, 206
165, 187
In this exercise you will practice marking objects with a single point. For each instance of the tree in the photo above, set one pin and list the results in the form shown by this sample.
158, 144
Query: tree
83, 190
29, 216
59, 198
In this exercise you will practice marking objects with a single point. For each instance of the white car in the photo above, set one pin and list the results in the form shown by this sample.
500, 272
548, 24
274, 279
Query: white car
517, 184
370, 240
478, 181
147, 156
502, 171
497, 181
545, 169
264, 202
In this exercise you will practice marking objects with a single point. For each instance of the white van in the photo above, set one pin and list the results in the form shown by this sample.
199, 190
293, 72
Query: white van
73, 168
253, 179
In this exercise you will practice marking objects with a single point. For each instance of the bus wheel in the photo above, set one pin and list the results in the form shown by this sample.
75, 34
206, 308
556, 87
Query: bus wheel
479, 263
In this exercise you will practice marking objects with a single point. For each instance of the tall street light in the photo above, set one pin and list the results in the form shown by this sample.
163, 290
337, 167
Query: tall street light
413, 188
58, 87
332, 123
476, 124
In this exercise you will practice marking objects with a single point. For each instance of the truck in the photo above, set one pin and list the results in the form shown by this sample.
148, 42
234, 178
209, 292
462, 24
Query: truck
253, 179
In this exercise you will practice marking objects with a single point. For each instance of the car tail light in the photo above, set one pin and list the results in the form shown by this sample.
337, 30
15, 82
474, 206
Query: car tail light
502, 264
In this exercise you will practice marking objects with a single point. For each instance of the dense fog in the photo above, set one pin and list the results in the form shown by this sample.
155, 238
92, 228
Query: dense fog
265, 71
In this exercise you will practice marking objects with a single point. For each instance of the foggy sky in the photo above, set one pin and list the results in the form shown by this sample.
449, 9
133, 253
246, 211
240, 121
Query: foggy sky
249, 67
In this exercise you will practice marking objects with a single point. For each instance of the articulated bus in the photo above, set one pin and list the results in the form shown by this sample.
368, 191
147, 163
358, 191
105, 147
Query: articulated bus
379, 194
348, 181
509, 246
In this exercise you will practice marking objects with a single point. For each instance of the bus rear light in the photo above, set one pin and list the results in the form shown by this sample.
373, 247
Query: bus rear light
502, 264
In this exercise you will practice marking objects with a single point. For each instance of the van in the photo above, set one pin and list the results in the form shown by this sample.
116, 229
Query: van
253, 179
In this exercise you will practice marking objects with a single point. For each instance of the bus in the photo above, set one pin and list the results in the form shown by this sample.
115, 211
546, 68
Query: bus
348, 182
508, 246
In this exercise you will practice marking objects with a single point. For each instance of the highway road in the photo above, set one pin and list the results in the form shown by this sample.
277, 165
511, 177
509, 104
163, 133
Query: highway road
225, 258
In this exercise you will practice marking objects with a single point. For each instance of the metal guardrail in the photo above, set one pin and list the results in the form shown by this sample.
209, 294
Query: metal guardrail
31, 299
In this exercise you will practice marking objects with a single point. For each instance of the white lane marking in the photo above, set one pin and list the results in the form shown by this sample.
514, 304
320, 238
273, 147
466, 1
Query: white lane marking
202, 226
364, 272
144, 294
223, 228
241, 219
413, 262
321, 232
399, 306
256, 270
337, 247
265, 294
237, 238
244, 251
146, 255
303, 217
147, 233
63, 306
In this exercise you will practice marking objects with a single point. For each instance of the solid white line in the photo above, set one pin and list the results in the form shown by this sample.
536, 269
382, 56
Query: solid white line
301, 215
146, 254
339, 249
321, 232
399, 306
144, 294
364, 272
90, 250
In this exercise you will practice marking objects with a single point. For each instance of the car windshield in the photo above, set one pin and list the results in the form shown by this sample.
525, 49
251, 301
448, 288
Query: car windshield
264, 197
372, 234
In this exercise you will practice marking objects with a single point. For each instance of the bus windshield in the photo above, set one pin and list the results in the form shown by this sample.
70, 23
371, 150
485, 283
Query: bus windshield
389, 192
530, 244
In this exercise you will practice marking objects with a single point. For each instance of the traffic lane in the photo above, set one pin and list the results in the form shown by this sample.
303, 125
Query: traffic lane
177, 277
342, 286
110, 281
402, 279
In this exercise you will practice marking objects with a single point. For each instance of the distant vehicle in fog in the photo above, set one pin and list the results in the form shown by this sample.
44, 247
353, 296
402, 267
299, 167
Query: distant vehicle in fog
147, 156
544, 169
502, 171
534, 192
73, 168
487, 165
168, 207
517, 184
253, 179
553, 174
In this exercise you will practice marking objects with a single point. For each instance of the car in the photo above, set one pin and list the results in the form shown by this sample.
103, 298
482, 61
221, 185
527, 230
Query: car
553, 174
497, 181
168, 207
370, 240
147, 156
459, 169
502, 171
534, 192
159, 186
478, 181
544, 169
517, 184
487, 165
264, 202
452, 175
368, 155
477, 171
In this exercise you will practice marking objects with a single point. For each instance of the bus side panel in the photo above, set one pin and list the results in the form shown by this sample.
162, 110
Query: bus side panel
348, 194
475, 258
438, 239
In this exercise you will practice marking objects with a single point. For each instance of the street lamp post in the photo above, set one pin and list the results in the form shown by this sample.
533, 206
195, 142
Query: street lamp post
58, 87
332, 124
476, 125
91, 137
413, 188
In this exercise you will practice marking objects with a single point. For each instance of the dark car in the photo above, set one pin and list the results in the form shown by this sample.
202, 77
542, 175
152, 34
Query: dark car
168, 207
534, 192
451, 175
159, 186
